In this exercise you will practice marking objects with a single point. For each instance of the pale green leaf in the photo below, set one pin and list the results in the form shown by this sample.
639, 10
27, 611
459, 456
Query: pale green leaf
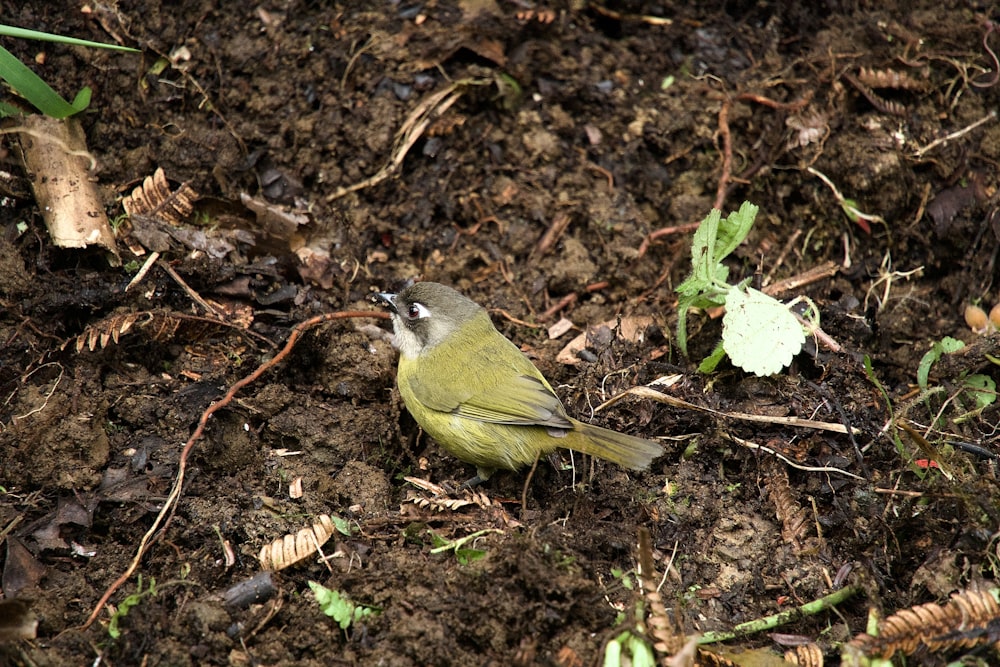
759, 333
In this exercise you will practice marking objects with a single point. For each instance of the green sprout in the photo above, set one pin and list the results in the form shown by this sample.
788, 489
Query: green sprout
759, 333
125, 605
31, 87
339, 607
465, 555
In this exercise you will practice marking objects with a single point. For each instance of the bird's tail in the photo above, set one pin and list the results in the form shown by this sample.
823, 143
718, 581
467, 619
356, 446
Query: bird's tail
625, 450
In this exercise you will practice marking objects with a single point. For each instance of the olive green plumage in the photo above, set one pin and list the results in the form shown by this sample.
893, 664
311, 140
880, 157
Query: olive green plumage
479, 397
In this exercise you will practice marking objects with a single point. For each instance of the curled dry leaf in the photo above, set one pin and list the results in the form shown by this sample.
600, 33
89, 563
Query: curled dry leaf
290, 549
632, 329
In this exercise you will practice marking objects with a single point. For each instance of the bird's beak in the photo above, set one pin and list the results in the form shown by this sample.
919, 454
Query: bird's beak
388, 299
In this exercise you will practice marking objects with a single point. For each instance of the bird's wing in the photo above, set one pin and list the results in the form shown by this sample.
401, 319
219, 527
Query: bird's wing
520, 400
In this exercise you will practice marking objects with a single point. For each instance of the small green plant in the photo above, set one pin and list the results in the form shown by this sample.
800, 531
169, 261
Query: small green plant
339, 607
125, 605
759, 333
31, 87
628, 648
981, 388
465, 555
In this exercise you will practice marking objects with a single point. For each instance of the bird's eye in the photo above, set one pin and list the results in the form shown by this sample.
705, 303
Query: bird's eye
416, 311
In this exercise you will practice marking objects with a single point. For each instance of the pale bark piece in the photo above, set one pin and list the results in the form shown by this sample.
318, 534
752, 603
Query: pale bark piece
57, 163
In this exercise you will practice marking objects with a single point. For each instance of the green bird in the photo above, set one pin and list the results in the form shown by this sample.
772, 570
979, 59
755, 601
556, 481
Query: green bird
479, 397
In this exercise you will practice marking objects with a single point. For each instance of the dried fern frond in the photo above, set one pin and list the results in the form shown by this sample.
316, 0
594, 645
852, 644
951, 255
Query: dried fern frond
969, 619
155, 198
290, 549
438, 504
156, 325
889, 78
794, 518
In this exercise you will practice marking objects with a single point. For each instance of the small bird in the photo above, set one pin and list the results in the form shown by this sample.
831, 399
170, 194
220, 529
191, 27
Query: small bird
475, 393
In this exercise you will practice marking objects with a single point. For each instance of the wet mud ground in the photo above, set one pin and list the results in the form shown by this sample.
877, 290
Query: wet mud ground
561, 146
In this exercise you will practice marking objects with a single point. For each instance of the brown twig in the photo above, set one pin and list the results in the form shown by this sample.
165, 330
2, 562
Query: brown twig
557, 306
513, 319
665, 231
169, 507
727, 156
209, 308
552, 234
797, 105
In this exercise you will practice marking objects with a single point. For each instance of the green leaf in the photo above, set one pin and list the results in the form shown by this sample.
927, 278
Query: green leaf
734, 229
703, 258
466, 556
343, 526
946, 345
983, 389
24, 33
37, 92
759, 333
707, 285
709, 363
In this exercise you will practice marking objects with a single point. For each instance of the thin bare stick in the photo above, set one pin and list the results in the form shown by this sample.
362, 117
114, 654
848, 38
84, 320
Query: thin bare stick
956, 134
143, 271
209, 308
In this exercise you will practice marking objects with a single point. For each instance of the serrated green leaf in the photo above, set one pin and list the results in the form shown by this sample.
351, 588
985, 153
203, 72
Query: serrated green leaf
703, 259
734, 229
338, 606
759, 333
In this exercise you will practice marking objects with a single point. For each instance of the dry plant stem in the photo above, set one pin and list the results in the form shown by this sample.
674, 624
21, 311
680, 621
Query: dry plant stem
794, 284
170, 505
141, 275
190, 292
797, 105
666, 231
763, 448
57, 162
557, 306
992, 81
956, 134
646, 392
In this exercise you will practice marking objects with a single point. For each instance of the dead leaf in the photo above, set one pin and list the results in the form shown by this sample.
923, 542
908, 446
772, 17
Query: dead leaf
632, 330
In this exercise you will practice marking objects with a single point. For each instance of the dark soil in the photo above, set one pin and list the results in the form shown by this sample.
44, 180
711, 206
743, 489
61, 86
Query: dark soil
607, 122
